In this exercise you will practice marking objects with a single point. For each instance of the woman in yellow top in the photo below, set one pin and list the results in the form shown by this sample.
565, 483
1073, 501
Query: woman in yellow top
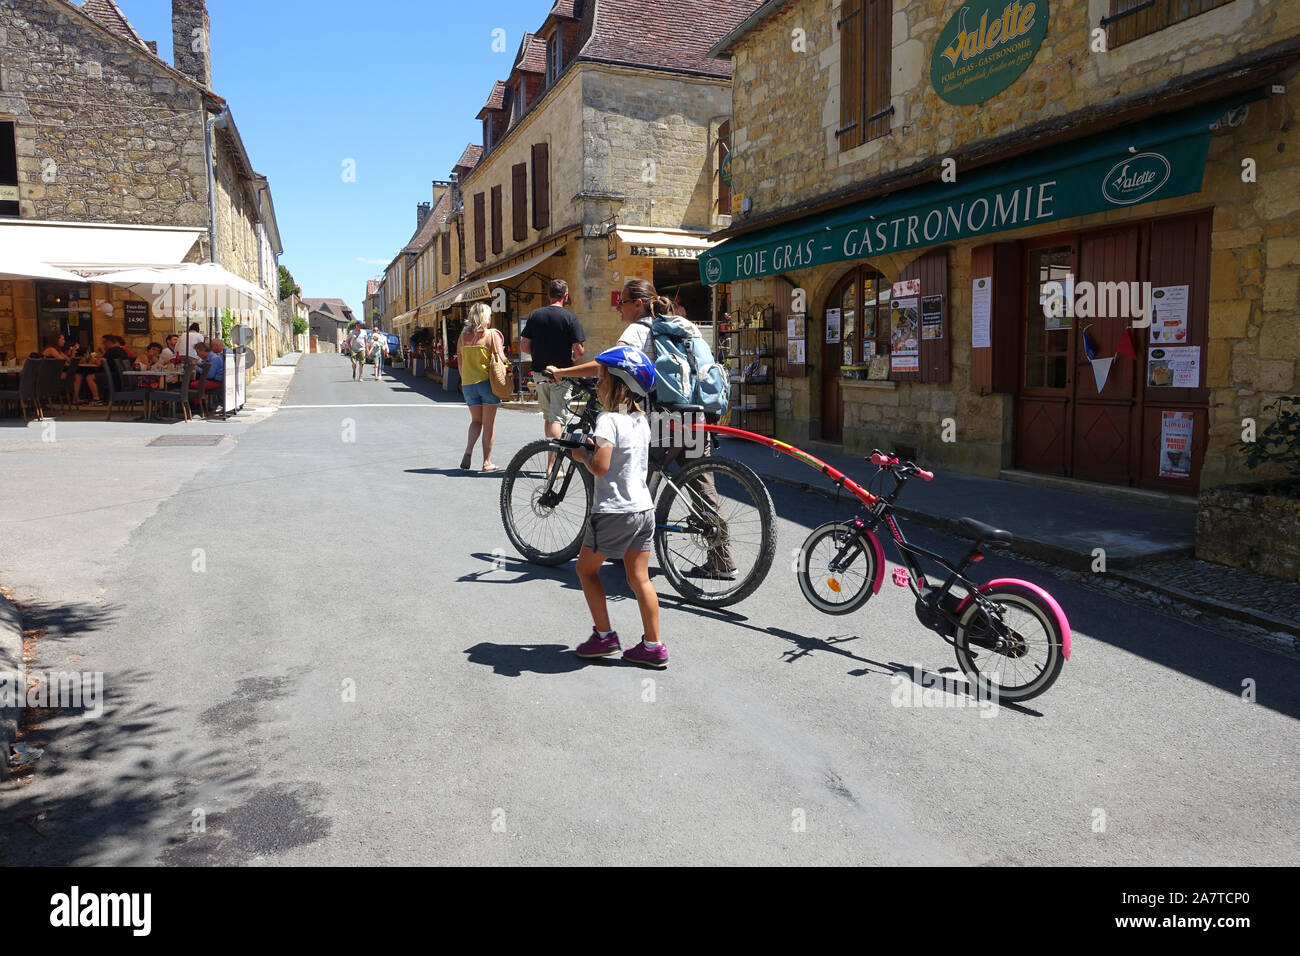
477, 343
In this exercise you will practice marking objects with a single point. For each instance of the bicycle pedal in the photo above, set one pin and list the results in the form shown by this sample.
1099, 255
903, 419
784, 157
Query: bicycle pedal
900, 577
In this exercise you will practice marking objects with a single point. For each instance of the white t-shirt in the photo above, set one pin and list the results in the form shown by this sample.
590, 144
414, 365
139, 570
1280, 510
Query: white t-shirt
638, 337
187, 343
167, 355
358, 342
623, 489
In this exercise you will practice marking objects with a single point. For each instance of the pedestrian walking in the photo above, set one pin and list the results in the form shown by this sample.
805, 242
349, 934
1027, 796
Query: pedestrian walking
356, 343
621, 524
553, 336
378, 349
477, 344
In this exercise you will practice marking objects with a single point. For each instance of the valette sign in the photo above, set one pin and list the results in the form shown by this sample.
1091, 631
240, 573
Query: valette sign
985, 47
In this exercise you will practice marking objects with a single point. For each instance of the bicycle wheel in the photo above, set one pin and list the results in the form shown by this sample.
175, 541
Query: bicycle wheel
1014, 653
715, 517
544, 513
846, 587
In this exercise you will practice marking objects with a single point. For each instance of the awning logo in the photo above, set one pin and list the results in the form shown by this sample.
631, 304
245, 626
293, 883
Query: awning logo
713, 270
1134, 179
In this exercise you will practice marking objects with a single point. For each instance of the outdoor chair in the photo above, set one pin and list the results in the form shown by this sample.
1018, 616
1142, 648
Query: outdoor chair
26, 391
49, 385
128, 395
180, 396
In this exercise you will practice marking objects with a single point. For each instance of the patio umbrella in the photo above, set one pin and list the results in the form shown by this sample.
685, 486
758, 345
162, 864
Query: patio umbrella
18, 267
204, 286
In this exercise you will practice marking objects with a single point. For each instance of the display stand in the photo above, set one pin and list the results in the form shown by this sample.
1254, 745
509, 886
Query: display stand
746, 346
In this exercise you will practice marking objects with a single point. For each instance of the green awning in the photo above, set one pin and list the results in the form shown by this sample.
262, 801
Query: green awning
1142, 163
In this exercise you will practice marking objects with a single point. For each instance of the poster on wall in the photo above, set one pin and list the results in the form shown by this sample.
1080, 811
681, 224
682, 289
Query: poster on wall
906, 287
136, 315
1174, 367
1058, 309
981, 312
795, 326
1176, 444
1169, 315
931, 317
904, 335
794, 351
832, 326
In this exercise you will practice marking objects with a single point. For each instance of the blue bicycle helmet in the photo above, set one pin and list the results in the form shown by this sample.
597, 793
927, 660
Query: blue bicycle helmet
631, 367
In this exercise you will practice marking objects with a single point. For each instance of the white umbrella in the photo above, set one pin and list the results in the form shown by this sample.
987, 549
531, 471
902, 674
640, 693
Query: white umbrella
19, 267
202, 286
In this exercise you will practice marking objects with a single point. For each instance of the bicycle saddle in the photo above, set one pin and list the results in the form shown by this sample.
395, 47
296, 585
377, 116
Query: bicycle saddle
983, 532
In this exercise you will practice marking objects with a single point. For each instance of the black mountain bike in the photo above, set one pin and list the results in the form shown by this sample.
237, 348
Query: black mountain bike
715, 525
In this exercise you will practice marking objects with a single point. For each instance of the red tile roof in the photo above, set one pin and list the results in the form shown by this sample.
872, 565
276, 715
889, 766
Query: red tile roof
107, 14
532, 55
667, 34
497, 100
563, 8
372, 287
469, 159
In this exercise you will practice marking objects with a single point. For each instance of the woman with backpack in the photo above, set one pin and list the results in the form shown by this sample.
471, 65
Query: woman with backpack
641, 306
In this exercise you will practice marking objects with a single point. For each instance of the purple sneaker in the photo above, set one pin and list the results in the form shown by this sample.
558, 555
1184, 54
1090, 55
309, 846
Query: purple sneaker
656, 655
597, 646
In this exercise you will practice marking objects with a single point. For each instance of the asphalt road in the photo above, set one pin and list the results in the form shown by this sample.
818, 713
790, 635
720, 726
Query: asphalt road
349, 672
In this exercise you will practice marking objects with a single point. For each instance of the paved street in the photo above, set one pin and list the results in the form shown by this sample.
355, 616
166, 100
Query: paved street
366, 683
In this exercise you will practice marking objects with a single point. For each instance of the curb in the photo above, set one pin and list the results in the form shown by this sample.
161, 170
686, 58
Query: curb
11, 662
1222, 608
1029, 547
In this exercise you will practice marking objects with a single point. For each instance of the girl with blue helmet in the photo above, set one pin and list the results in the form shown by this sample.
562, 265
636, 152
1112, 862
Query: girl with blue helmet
621, 523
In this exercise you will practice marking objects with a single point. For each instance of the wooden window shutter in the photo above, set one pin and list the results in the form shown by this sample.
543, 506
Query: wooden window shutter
519, 201
996, 369
541, 186
724, 149
446, 253
852, 73
783, 299
480, 229
498, 240
877, 46
933, 362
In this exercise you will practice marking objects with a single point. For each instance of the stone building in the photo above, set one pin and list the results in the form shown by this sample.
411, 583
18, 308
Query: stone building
599, 163
327, 323
1067, 236
112, 159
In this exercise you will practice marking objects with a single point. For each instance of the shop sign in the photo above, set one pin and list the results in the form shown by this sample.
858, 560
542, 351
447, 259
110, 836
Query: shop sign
664, 252
984, 47
1133, 180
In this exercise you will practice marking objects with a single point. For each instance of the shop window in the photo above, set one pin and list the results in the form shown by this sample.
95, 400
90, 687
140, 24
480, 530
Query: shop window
1047, 341
866, 41
863, 301
1132, 19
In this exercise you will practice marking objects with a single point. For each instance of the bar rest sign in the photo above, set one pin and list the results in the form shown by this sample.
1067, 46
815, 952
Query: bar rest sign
985, 46
136, 315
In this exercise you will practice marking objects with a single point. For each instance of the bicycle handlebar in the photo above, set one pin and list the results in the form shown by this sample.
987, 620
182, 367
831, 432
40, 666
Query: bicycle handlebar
905, 468
569, 443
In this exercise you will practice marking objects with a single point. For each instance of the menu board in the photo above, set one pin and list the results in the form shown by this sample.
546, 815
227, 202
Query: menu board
136, 315
1174, 367
931, 317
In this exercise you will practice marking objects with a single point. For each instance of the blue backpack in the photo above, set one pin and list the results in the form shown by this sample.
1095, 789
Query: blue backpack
688, 372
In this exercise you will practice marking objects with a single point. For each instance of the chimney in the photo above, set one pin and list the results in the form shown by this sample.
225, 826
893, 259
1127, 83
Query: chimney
191, 40
440, 187
422, 211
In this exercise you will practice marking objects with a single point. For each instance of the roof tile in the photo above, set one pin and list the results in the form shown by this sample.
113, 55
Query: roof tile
107, 14
630, 32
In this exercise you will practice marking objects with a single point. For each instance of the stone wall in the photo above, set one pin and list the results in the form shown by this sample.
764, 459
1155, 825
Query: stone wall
1250, 529
104, 133
787, 105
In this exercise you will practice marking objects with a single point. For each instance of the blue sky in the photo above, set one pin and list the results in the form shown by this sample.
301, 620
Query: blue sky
392, 84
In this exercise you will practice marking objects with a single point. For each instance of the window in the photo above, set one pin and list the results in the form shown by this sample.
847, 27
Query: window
498, 239
445, 239
724, 169
517, 101
541, 186
863, 300
865, 42
519, 201
554, 56
1131, 19
1047, 340
487, 134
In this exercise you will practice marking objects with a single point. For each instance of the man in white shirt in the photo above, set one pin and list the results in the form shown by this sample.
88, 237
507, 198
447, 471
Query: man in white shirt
192, 338
357, 350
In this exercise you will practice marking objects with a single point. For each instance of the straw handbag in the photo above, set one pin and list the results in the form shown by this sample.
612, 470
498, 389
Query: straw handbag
503, 385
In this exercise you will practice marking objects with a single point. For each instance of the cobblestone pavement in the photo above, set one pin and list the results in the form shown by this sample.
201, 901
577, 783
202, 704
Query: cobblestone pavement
1271, 596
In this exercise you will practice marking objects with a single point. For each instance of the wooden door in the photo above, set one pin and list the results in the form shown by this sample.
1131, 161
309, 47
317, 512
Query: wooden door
1044, 422
1106, 426
846, 301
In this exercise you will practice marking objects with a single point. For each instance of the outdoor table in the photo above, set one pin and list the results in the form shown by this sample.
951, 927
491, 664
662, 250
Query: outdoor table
147, 373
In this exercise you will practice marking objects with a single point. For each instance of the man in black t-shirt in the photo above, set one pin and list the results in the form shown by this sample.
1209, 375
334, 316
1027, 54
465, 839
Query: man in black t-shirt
553, 336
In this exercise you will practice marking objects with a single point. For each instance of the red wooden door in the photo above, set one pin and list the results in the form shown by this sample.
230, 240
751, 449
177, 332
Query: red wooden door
1044, 422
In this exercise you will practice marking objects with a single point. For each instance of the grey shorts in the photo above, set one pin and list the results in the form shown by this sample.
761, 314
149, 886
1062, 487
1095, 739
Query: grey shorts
613, 535
553, 401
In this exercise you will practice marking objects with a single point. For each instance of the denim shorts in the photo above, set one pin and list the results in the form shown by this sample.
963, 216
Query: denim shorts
480, 393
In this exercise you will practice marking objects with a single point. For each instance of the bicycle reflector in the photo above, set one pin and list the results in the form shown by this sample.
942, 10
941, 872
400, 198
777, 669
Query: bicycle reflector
833, 584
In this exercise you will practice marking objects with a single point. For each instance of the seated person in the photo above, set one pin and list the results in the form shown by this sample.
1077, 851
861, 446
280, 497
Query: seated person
56, 347
114, 353
152, 360
212, 367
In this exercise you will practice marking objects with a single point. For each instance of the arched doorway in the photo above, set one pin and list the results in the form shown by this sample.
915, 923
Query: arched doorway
860, 301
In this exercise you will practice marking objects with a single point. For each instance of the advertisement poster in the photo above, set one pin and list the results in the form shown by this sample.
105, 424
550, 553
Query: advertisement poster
868, 351
136, 315
1174, 367
906, 287
932, 317
1169, 315
794, 351
904, 337
981, 312
1058, 310
832, 326
1176, 444
879, 370
795, 327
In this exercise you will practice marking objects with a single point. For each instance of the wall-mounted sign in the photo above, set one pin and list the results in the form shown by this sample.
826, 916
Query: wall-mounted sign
664, 252
724, 171
136, 315
984, 47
